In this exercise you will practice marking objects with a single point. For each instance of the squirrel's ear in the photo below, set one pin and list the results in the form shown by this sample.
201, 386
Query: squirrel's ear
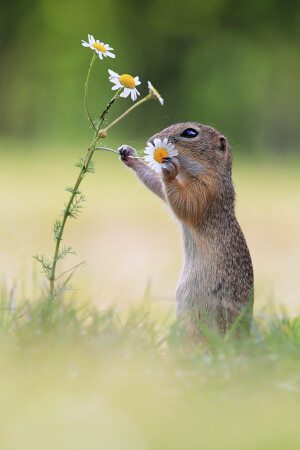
222, 144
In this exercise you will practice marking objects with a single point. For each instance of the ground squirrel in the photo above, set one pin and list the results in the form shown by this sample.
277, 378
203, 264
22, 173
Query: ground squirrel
216, 281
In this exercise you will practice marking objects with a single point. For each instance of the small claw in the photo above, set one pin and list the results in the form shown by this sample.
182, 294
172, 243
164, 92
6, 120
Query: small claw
171, 167
123, 154
128, 155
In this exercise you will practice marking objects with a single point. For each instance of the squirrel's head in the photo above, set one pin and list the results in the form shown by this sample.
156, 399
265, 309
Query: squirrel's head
201, 149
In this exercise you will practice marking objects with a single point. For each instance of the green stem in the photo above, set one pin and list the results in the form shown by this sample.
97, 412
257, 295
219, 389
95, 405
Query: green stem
148, 97
102, 117
85, 166
106, 149
87, 160
86, 90
67, 210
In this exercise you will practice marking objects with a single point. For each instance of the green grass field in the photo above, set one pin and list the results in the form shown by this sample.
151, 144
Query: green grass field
80, 379
106, 366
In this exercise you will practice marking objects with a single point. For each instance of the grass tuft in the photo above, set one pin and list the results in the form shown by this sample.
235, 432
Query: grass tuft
76, 377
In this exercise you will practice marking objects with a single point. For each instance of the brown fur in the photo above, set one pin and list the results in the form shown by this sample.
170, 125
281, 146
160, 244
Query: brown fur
216, 280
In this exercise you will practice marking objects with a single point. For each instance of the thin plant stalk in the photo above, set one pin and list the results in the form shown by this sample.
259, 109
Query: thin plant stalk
106, 149
67, 212
102, 117
86, 90
148, 97
74, 191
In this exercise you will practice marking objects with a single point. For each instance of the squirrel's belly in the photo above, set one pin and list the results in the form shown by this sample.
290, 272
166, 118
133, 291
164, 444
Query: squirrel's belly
192, 289
196, 275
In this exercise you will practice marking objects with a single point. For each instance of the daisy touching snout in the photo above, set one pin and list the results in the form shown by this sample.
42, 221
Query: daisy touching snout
155, 93
127, 82
98, 47
157, 152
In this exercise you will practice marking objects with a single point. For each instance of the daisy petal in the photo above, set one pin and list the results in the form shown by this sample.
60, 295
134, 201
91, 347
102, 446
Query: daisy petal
125, 93
150, 145
113, 74
170, 146
111, 55
157, 142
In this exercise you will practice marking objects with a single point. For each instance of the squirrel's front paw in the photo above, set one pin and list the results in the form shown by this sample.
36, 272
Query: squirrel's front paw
170, 168
126, 152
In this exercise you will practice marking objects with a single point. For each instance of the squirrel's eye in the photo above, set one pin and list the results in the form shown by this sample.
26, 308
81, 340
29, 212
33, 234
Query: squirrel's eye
189, 133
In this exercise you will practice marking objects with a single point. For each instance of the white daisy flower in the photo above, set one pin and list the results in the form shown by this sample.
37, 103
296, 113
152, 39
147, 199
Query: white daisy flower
125, 81
98, 47
155, 93
156, 153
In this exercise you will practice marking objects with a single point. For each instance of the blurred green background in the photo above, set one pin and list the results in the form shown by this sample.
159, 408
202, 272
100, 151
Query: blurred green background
234, 65
121, 380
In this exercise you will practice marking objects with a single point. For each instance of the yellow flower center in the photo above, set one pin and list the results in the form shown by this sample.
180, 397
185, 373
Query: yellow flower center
99, 47
127, 81
159, 154
156, 92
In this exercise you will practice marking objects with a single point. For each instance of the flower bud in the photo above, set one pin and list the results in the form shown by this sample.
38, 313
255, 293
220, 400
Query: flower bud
102, 134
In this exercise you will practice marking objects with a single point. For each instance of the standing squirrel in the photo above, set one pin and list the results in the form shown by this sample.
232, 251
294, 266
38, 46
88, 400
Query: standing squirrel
215, 289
